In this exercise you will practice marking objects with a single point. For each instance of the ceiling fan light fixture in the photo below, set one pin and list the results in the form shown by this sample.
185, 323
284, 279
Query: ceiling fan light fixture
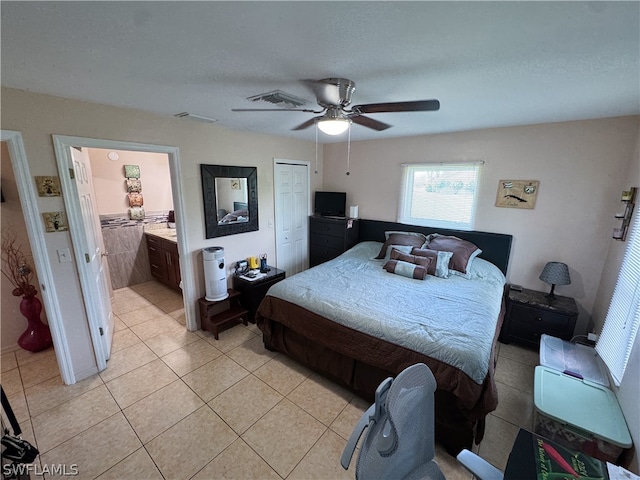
334, 126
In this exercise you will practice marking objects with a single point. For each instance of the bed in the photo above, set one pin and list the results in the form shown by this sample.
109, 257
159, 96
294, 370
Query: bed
354, 322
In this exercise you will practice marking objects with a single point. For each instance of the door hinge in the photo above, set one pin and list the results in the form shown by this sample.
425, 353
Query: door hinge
72, 173
101, 330
86, 257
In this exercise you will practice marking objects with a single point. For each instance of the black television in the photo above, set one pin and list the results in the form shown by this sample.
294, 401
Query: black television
330, 204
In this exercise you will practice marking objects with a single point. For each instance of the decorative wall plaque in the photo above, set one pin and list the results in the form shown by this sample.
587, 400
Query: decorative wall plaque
135, 199
48, 186
136, 213
517, 193
132, 171
134, 185
55, 221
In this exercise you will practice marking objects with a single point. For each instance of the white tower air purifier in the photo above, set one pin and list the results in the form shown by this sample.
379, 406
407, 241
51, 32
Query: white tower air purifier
215, 274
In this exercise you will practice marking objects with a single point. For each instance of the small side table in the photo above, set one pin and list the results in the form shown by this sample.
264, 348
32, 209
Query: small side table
254, 291
531, 313
218, 316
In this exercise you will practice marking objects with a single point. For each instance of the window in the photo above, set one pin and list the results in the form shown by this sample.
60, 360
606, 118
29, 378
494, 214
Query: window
439, 194
623, 317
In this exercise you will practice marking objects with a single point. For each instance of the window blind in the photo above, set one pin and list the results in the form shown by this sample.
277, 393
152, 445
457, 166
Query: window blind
439, 194
623, 317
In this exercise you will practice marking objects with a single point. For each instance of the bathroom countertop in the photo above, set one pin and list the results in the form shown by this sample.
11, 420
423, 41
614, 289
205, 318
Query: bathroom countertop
166, 233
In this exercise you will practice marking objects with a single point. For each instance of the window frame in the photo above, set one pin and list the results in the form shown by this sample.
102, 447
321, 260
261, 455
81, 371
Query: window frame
405, 202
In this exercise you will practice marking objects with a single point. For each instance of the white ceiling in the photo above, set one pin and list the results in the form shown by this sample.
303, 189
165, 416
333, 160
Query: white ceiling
490, 64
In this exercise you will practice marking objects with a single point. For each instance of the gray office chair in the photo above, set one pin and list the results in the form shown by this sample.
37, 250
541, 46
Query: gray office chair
478, 466
399, 442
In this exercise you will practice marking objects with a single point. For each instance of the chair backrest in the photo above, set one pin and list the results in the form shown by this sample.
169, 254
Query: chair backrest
399, 442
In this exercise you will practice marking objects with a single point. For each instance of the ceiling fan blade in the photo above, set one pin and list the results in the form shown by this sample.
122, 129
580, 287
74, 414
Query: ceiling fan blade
306, 124
275, 110
369, 122
417, 106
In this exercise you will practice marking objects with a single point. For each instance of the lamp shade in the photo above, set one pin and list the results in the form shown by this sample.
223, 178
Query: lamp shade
556, 273
333, 126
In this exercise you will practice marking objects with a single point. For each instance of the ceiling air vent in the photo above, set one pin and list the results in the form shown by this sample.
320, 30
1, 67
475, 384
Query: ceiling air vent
197, 118
279, 98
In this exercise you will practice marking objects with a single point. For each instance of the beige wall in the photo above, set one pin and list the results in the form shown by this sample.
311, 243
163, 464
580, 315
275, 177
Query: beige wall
581, 167
12, 322
37, 117
109, 180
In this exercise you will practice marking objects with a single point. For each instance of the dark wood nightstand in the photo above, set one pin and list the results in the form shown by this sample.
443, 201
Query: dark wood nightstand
530, 314
220, 315
252, 292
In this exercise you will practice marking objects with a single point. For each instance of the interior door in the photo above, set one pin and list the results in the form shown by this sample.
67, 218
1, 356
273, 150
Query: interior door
292, 216
96, 257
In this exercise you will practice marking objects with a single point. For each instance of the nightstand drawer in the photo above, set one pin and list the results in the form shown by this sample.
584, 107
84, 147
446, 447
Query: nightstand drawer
541, 319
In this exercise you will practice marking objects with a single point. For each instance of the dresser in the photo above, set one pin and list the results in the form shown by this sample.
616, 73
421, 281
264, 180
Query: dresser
531, 313
329, 237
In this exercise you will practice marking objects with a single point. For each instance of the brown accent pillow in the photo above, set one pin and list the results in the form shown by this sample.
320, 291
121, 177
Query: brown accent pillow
440, 264
406, 269
401, 239
463, 251
416, 260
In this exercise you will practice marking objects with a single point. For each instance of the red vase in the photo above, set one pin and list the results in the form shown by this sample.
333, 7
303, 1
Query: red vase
37, 336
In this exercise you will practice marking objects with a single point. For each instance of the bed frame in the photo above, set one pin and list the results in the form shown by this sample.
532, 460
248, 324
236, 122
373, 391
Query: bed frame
360, 362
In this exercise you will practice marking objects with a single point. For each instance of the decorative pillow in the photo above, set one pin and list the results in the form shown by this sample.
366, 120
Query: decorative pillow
463, 252
401, 238
440, 261
400, 248
406, 269
407, 257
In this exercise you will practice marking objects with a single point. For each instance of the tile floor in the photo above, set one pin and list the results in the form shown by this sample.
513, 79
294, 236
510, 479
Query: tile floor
177, 405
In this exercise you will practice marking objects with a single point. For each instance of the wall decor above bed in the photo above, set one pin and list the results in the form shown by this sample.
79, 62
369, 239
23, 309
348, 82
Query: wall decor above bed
517, 193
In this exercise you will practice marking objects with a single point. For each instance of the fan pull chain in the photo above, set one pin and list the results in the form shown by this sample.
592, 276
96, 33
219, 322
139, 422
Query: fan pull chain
316, 172
348, 147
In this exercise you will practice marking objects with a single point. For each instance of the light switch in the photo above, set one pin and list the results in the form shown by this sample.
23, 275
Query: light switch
64, 255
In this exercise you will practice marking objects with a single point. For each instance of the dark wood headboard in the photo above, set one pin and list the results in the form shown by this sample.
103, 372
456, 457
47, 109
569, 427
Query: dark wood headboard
496, 247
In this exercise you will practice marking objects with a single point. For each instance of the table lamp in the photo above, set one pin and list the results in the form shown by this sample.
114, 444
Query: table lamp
555, 273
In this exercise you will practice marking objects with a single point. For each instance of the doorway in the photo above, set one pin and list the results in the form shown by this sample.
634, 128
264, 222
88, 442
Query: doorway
78, 229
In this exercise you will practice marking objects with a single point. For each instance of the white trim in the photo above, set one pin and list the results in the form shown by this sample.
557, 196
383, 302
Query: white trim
62, 143
36, 234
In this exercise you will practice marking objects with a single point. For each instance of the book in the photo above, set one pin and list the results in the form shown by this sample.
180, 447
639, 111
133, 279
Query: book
555, 462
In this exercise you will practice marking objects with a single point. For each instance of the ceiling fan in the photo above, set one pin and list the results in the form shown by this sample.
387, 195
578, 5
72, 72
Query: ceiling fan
334, 96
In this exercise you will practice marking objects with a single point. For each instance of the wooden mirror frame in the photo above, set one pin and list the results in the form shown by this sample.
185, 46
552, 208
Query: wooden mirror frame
209, 174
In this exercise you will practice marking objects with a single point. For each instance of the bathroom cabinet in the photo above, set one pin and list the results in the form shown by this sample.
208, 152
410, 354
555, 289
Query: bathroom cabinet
164, 260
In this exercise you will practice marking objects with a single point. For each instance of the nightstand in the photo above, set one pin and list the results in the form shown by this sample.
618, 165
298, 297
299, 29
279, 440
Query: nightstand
531, 313
220, 315
253, 291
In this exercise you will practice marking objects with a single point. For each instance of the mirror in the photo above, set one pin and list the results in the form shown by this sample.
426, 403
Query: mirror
230, 199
